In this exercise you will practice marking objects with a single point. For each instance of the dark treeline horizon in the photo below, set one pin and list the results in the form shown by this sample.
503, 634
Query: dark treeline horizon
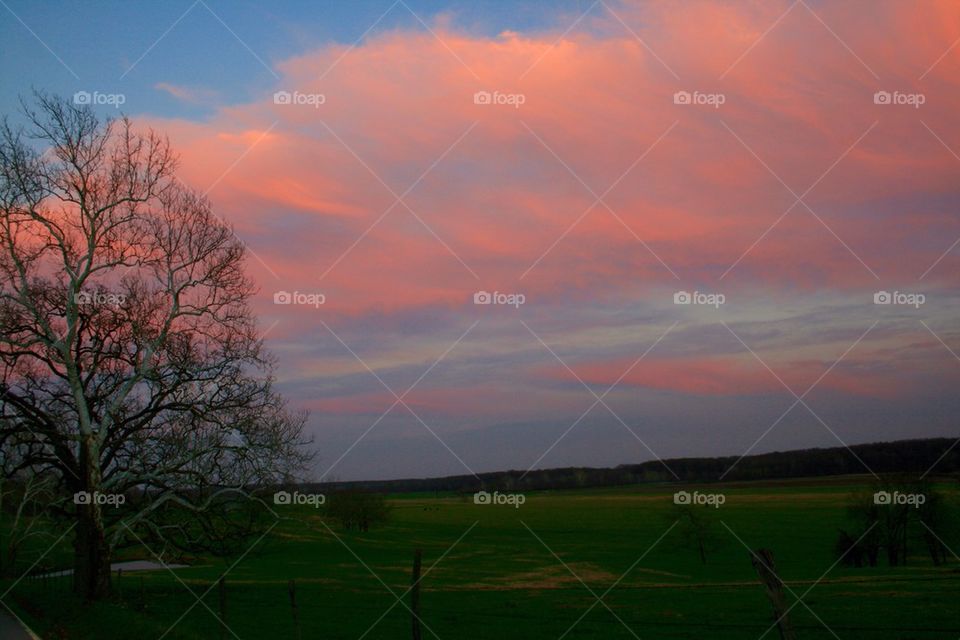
912, 456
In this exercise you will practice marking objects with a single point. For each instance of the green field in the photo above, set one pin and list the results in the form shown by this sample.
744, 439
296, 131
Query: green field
496, 575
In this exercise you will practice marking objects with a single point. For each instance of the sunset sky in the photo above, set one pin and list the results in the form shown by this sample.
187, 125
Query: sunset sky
590, 189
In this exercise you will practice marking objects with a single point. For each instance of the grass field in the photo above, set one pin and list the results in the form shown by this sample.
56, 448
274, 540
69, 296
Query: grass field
496, 572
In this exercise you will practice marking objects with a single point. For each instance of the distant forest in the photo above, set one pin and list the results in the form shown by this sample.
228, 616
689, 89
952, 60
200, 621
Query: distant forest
901, 456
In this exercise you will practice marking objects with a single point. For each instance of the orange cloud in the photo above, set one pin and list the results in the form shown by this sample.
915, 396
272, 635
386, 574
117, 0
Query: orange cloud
305, 181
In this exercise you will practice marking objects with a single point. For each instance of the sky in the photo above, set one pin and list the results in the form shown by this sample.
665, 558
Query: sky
516, 235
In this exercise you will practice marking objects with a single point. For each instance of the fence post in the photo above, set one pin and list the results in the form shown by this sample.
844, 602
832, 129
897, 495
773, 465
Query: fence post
415, 595
292, 591
773, 585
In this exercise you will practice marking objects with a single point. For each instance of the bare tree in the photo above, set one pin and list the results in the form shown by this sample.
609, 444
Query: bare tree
357, 509
886, 522
25, 500
130, 362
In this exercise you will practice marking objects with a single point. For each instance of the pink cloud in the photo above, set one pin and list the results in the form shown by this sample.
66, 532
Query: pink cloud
500, 199
728, 376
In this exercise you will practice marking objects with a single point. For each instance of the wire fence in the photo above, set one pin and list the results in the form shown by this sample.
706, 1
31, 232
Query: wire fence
308, 601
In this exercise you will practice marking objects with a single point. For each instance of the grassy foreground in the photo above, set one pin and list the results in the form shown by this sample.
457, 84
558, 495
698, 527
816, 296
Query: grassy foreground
495, 571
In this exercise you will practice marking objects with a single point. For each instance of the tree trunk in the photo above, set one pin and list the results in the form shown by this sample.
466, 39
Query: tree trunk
91, 560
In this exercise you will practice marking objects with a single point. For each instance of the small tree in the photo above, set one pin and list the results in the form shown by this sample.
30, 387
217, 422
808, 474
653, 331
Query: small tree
866, 538
935, 516
358, 510
697, 529
888, 525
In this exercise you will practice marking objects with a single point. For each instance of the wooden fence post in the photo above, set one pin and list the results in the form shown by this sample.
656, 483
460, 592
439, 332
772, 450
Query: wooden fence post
773, 585
415, 595
292, 590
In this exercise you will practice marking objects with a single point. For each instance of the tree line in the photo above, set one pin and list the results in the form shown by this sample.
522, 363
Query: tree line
915, 456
